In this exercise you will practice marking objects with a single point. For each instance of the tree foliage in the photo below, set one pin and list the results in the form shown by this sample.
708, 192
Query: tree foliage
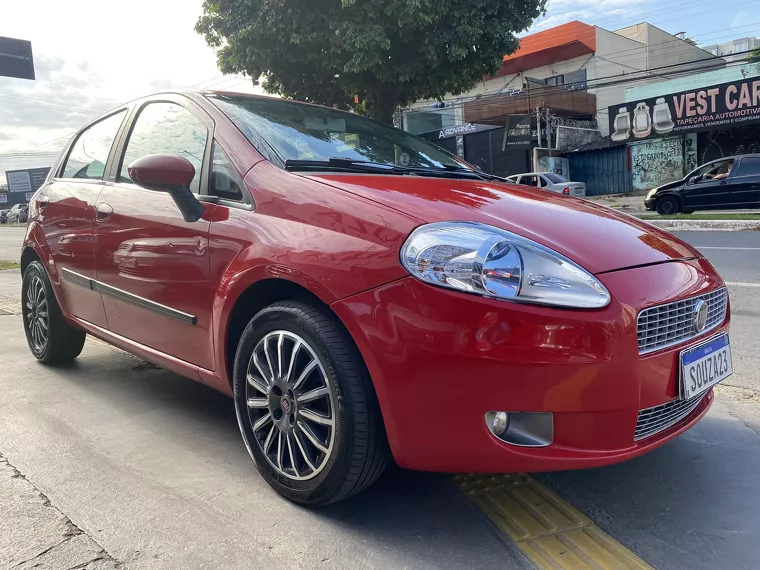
754, 55
385, 52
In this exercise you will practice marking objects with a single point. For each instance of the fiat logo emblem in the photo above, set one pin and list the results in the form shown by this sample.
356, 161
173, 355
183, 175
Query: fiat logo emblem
699, 320
286, 404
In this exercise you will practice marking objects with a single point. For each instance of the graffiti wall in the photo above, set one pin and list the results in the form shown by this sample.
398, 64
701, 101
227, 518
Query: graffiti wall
656, 162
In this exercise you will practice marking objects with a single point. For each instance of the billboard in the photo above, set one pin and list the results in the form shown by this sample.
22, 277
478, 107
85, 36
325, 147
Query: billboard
723, 106
16, 58
517, 132
26, 180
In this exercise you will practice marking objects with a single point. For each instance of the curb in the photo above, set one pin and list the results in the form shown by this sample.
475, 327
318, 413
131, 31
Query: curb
705, 225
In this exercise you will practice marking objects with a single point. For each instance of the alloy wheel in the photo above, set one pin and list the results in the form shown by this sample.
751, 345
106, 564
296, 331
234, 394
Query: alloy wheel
291, 405
37, 317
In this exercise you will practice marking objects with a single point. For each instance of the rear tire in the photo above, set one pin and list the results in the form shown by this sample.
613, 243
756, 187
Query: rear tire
668, 206
326, 421
49, 336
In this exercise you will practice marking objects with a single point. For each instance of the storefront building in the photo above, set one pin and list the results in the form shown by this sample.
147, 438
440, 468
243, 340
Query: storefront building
558, 83
674, 126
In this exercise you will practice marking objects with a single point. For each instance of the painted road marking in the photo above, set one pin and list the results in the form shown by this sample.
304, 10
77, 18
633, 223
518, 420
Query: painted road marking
549, 531
735, 284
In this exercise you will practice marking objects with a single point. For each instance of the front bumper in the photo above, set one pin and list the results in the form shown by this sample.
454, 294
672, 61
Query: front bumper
441, 359
649, 204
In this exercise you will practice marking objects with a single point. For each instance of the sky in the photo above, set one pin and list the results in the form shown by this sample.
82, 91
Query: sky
92, 55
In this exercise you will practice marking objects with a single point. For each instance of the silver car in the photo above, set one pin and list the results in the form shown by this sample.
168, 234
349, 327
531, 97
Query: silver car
549, 181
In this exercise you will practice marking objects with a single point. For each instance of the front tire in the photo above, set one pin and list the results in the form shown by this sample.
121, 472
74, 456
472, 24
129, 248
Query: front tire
306, 406
668, 206
49, 336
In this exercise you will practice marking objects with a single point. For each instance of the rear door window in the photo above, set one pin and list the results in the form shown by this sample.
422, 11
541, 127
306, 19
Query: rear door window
529, 180
749, 167
89, 154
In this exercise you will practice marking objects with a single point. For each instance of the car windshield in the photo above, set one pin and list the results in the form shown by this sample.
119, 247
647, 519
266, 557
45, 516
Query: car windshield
296, 131
555, 178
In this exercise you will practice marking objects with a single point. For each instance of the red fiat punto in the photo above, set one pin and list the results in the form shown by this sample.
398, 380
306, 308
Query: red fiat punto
362, 294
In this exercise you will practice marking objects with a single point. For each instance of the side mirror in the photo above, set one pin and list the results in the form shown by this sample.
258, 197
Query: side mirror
693, 179
171, 174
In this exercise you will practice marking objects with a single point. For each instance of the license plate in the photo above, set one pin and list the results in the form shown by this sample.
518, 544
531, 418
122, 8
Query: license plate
705, 365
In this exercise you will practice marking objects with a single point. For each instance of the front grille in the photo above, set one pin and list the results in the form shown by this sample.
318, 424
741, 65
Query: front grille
654, 420
665, 325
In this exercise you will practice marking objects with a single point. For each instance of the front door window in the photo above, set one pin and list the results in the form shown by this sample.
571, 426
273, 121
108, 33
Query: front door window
715, 171
166, 128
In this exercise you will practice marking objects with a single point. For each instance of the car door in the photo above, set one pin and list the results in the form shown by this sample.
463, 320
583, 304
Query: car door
745, 183
709, 188
152, 265
66, 215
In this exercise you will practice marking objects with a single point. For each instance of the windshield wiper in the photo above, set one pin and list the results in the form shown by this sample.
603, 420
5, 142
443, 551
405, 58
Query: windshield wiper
339, 163
358, 165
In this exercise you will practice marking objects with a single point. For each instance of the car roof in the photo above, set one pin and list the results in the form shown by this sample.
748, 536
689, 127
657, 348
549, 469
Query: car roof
735, 157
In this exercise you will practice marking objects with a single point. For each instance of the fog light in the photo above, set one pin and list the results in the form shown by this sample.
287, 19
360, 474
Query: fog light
500, 423
524, 429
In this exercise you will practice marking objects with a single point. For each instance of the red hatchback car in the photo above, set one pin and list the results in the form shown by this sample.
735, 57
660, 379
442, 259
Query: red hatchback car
361, 293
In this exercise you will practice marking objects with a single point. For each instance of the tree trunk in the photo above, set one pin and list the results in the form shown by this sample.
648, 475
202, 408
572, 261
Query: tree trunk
384, 107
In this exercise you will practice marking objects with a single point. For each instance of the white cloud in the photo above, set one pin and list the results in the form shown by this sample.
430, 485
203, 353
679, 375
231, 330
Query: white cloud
91, 55
609, 14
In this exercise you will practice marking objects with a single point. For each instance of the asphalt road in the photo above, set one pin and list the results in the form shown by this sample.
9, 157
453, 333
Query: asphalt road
10, 242
111, 461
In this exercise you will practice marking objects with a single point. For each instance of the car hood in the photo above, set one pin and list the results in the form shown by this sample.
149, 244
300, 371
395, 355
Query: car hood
598, 238
670, 185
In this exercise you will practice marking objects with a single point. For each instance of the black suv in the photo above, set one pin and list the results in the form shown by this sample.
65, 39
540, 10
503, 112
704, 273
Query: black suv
731, 182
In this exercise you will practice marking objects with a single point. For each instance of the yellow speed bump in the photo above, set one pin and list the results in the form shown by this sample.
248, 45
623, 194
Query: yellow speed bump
549, 531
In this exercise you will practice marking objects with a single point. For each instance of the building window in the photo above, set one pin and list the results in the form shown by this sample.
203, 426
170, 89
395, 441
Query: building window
555, 80
741, 46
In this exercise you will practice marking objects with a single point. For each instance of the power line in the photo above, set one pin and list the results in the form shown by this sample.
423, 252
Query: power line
649, 20
645, 47
479, 103
591, 82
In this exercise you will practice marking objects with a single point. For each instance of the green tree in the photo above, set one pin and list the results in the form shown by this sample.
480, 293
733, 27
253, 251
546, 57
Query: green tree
754, 55
385, 52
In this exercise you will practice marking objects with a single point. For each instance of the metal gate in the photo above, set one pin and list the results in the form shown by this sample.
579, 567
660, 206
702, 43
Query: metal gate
604, 171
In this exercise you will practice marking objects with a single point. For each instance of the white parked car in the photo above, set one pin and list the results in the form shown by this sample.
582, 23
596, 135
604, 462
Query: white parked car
549, 181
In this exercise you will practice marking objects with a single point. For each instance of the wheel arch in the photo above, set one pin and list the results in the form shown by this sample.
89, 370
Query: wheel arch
675, 195
27, 256
255, 297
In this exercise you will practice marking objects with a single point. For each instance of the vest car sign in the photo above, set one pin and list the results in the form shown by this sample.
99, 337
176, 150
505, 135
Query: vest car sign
720, 106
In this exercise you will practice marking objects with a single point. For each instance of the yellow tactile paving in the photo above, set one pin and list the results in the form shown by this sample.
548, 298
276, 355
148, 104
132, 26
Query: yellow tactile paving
549, 531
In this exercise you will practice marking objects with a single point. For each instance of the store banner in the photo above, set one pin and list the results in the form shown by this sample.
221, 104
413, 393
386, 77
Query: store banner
721, 106
456, 131
517, 132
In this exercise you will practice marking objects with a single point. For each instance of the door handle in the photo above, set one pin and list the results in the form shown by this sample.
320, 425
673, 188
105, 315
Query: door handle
103, 212
723, 182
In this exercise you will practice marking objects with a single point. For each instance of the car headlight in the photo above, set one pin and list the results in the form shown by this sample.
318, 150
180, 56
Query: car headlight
480, 259
651, 193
